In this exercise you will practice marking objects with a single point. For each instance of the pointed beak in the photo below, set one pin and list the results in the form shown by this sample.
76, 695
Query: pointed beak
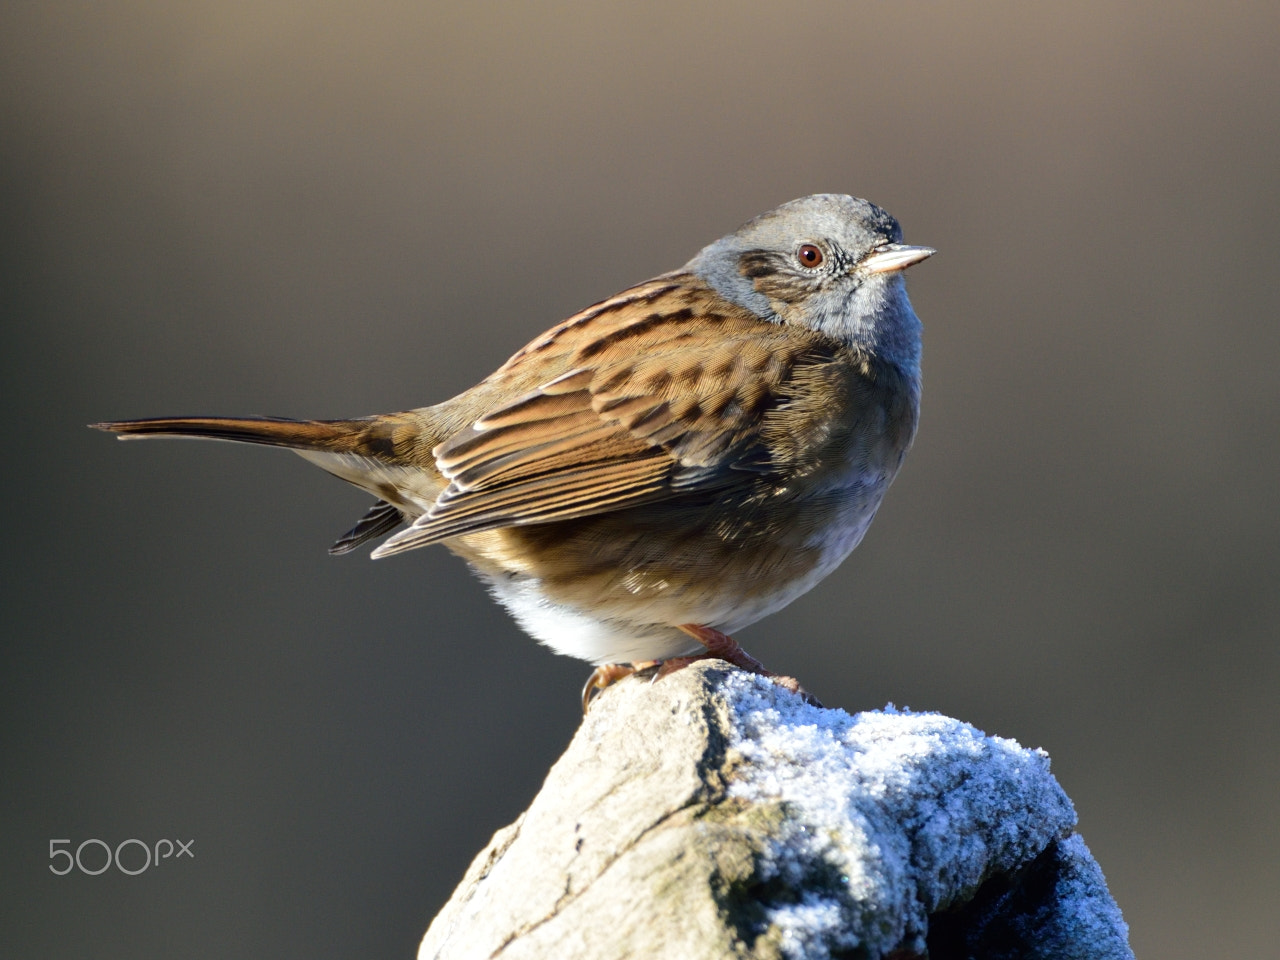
894, 256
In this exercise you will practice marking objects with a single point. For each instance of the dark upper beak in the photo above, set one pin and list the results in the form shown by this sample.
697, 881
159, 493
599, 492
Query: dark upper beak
893, 256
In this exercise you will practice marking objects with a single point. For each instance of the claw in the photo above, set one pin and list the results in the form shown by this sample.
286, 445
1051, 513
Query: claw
605, 675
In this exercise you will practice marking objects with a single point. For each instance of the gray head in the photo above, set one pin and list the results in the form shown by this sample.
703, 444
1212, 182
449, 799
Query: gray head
830, 262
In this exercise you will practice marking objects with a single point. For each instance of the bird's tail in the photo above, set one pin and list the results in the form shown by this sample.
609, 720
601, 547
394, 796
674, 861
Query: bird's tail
390, 456
333, 436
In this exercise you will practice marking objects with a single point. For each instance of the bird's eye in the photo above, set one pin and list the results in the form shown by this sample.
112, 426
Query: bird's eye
809, 256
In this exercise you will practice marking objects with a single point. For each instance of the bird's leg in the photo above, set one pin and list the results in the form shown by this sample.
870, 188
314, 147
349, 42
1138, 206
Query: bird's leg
720, 646
723, 647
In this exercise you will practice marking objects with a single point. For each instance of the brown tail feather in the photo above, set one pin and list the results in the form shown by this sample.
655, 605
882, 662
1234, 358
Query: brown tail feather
338, 436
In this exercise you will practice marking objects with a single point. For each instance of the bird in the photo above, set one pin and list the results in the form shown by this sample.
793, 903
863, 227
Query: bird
666, 466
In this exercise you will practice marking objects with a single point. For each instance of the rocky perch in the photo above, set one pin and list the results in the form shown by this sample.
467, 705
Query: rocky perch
713, 814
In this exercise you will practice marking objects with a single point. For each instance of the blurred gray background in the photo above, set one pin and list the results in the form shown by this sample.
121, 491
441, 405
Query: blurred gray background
330, 210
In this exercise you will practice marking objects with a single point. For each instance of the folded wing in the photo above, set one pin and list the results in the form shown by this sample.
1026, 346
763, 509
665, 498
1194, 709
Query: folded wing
661, 397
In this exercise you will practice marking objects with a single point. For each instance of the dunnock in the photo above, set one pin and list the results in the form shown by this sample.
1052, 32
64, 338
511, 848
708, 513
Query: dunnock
667, 466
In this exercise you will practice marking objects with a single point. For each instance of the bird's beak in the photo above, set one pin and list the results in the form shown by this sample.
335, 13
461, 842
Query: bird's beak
889, 257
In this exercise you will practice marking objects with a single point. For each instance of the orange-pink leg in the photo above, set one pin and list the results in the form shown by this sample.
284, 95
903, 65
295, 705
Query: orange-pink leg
720, 646
723, 647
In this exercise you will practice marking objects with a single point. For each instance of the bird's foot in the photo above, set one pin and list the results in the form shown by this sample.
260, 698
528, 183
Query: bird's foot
721, 646
606, 675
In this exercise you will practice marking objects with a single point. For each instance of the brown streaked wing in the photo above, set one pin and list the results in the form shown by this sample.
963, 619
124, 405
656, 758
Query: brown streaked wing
662, 394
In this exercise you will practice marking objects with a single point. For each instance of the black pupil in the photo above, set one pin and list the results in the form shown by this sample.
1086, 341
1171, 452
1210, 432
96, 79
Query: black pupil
809, 254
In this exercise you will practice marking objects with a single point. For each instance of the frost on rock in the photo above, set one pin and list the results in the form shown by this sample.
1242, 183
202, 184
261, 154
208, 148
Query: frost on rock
906, 811
713, 814
891, 817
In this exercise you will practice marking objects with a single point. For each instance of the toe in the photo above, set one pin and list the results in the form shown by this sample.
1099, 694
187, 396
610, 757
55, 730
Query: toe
605, 675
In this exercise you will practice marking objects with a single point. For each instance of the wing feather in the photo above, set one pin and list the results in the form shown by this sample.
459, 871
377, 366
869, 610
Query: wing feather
665, 394
382, 518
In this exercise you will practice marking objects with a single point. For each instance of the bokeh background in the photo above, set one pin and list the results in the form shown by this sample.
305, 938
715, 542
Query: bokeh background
334, 209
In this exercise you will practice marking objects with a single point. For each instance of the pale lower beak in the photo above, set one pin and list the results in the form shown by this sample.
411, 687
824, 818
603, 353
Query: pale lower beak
894, 256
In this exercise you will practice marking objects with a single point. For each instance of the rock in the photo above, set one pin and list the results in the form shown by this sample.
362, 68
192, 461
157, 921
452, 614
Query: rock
713, 814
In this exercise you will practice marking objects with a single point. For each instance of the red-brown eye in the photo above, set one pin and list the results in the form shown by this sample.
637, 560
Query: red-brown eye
809, 256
